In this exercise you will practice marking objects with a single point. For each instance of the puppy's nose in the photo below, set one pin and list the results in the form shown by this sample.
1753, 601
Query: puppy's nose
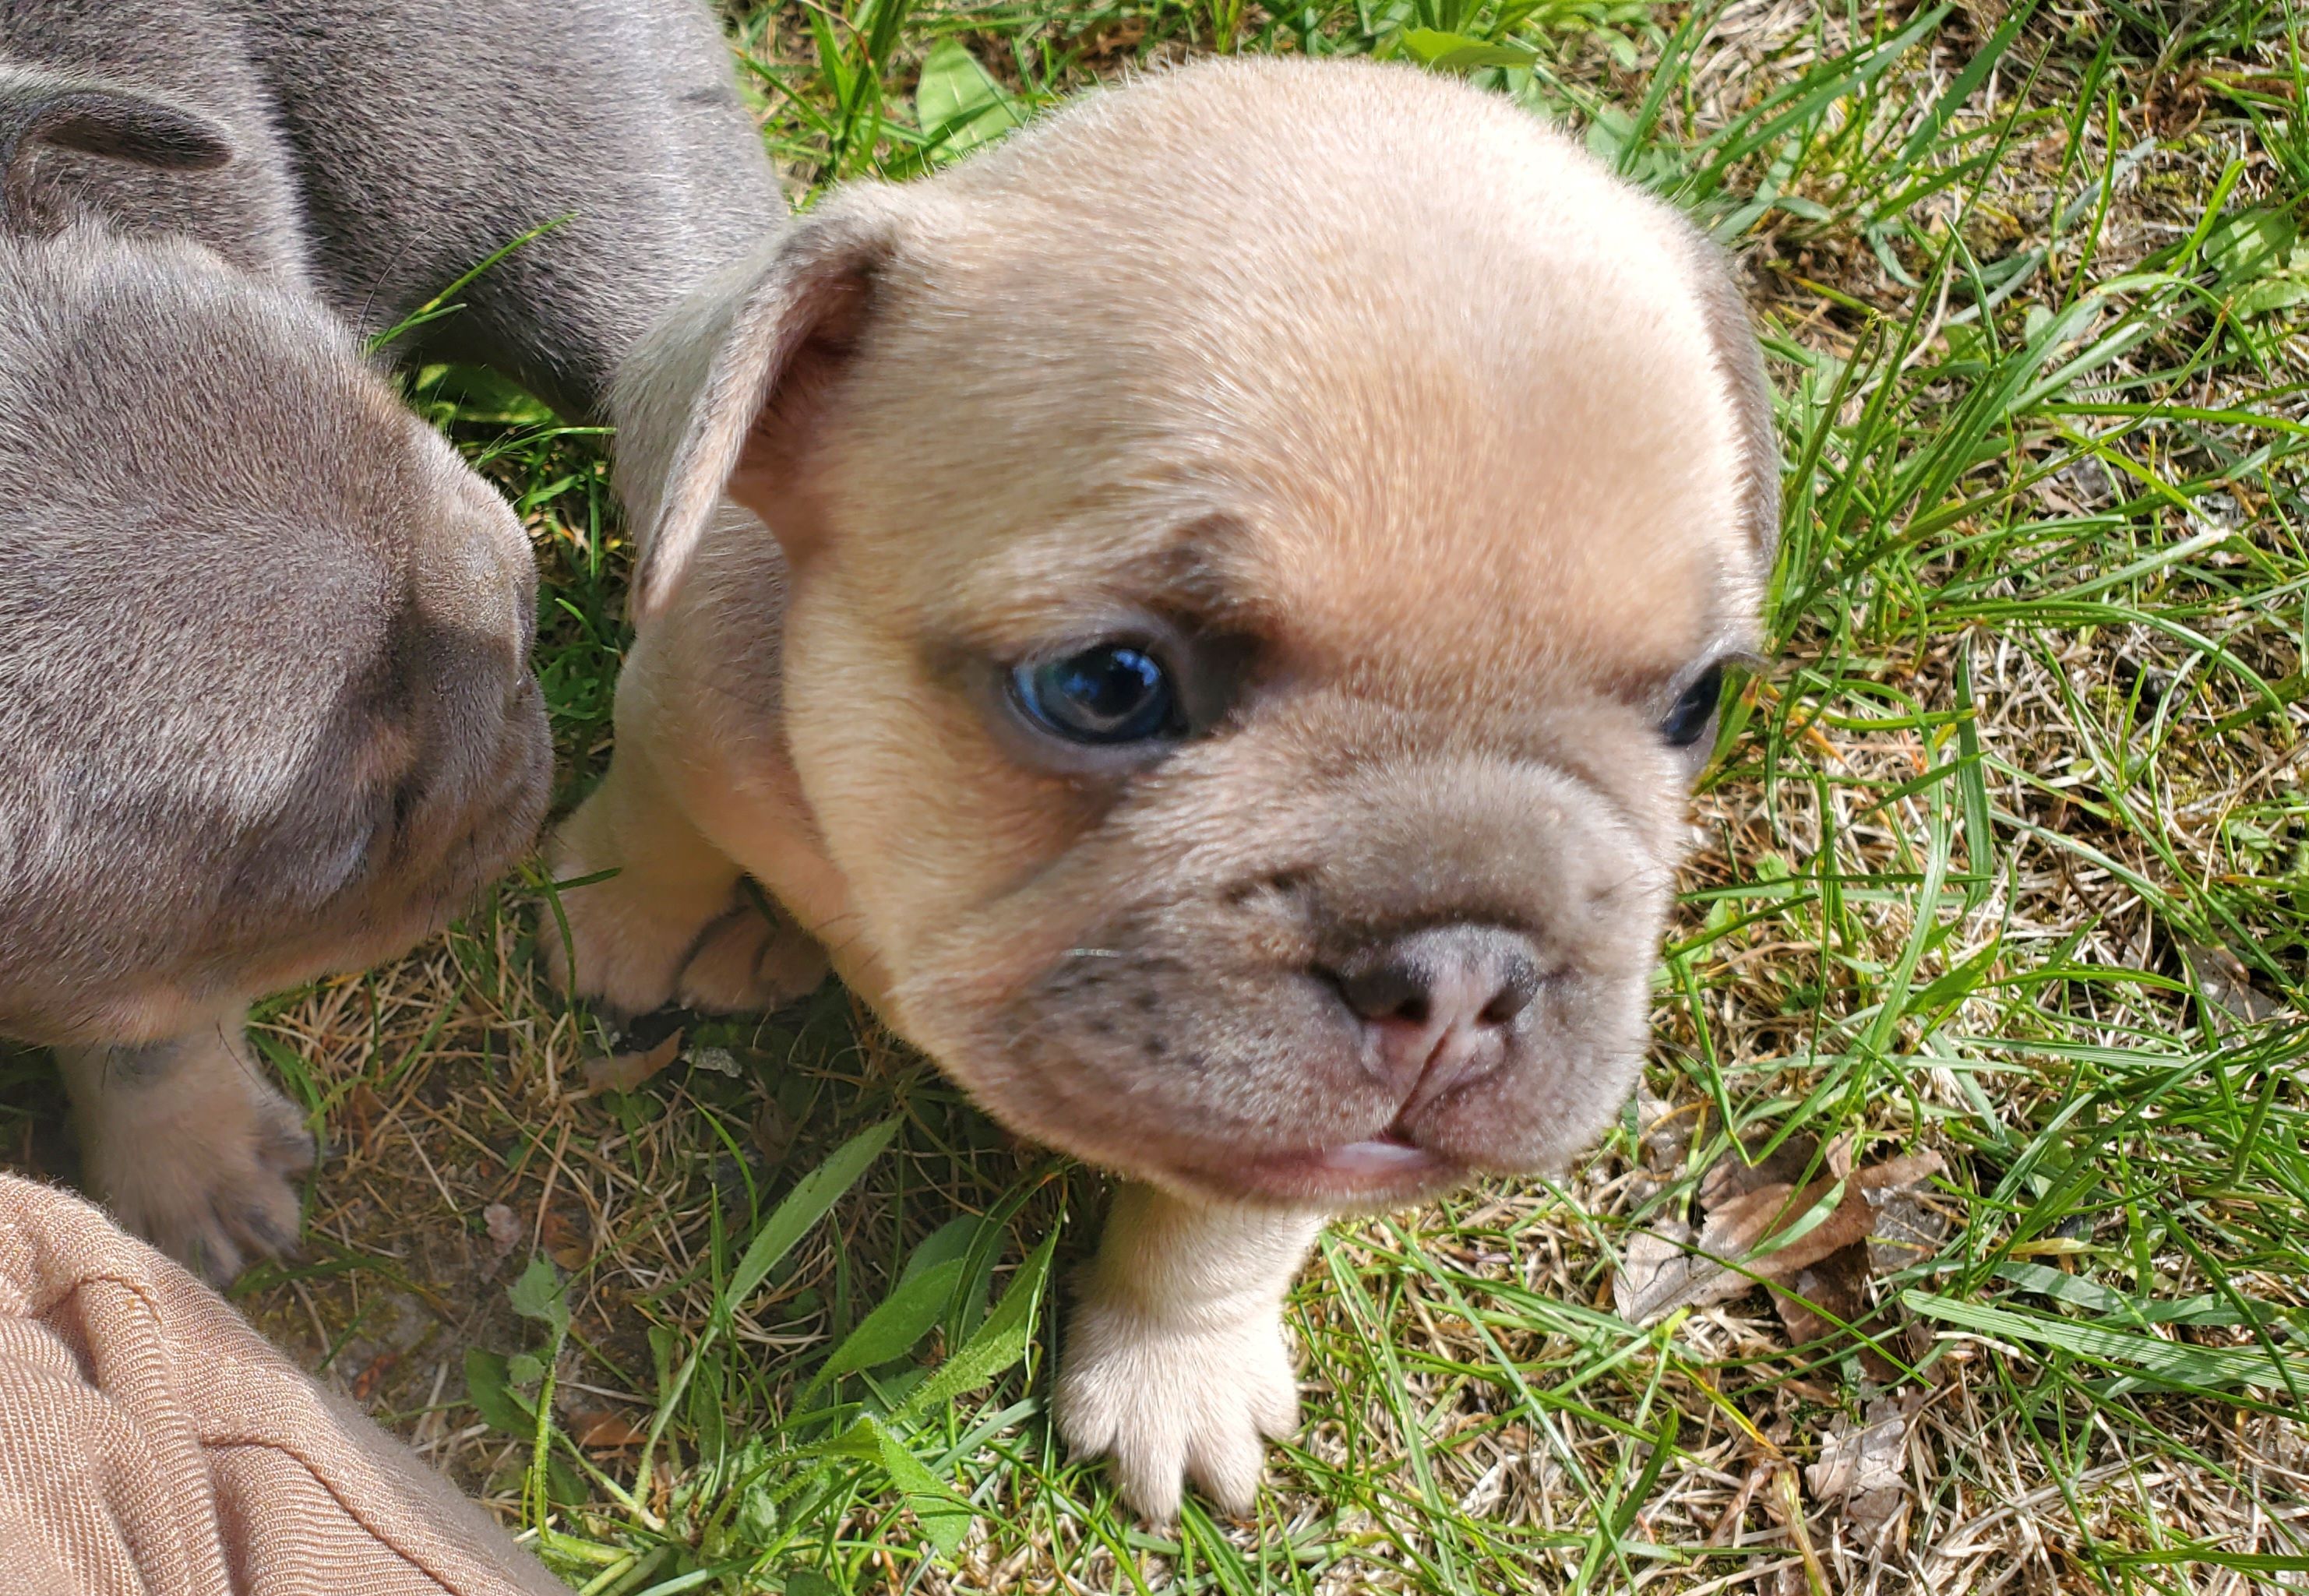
1437, 1005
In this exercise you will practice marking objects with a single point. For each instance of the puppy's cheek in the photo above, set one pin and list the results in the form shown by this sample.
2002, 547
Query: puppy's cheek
924, 818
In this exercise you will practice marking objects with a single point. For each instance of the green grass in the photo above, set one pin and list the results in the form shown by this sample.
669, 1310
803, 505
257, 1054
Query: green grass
1990, 852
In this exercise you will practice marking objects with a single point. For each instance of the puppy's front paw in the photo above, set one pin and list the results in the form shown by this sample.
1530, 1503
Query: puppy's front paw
750, 963
192, 1150
669, 919
1172, 1402
625, 946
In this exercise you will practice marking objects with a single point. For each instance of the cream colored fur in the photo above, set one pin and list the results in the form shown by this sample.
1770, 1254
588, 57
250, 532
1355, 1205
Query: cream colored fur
1439, 459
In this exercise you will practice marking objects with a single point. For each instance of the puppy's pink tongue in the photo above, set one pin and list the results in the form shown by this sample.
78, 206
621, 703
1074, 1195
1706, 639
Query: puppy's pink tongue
1374, 1160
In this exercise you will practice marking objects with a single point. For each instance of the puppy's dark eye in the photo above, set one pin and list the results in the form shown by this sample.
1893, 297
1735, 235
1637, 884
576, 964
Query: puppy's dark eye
1692, 712
1106, 695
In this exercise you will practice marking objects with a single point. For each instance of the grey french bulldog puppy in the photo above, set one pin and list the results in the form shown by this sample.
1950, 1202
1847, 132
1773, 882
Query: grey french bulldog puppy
264, 706
381, 149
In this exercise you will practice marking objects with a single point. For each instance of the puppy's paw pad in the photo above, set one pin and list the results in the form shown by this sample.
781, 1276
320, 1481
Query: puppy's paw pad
1171, 1405
746, 963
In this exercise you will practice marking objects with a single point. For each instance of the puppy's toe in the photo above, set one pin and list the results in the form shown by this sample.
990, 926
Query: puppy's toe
616, 952
749, 963
219, 1233
202, 1164
1171, 1404
651, 892
217, 1210
282, 1145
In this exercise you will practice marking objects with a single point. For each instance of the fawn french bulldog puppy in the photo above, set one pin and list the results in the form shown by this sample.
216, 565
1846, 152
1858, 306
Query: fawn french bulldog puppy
1225, 595
264, 710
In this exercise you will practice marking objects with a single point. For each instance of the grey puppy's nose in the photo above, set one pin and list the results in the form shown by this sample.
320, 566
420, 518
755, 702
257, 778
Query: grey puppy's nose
1436, 1005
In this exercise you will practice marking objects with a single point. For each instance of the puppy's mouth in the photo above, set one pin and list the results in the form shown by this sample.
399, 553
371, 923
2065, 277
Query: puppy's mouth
1378, 1171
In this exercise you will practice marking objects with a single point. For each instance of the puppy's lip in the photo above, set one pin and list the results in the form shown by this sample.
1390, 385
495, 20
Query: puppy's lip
1390, 1167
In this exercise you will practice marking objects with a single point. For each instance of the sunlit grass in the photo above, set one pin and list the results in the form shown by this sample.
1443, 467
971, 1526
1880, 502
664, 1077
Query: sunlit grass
2007, 857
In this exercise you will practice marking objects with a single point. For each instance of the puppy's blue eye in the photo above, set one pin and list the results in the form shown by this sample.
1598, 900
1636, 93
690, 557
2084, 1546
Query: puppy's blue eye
1109, 694
1694, 710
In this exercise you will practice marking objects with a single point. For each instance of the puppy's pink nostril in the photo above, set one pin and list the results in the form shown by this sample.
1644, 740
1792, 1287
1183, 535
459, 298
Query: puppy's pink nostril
1436, 1003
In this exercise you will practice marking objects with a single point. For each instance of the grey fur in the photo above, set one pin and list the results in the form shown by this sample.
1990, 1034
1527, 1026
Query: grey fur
385, 148
264, 709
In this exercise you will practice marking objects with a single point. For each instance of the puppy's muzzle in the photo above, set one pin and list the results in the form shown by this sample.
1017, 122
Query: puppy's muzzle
1432, 966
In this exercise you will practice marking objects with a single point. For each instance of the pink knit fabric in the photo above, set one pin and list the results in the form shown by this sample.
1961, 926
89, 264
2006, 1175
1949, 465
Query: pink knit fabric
152, 1444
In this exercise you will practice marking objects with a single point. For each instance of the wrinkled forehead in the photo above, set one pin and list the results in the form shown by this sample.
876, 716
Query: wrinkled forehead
1391, 459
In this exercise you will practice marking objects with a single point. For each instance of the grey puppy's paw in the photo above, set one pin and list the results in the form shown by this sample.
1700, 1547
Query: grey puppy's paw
191, 1148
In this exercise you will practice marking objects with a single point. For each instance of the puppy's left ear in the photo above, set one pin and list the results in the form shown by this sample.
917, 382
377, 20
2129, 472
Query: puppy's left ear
1740, 362
95, 118
726, 394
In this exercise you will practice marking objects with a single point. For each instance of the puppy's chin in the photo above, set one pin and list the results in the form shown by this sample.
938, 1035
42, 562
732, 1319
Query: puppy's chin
1527, 1120
1389, 1171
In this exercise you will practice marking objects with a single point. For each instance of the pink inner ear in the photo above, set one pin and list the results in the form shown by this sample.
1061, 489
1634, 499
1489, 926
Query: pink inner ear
775, 471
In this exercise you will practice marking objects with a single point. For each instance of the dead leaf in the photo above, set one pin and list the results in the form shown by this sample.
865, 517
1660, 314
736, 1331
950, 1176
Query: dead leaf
622, 1071
1909, 1229
598, 1429
1861, 1471
1666, 1131
2224, 981
1741, 1231
564, 1242
1821, 1297
1655, 1272
366, 1382
1732, 1175
504, 1228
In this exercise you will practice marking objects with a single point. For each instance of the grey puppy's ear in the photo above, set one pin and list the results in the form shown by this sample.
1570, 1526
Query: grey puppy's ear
733, 382
96, 117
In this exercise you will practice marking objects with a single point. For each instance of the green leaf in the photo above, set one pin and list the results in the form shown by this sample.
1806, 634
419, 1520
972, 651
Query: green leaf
2249, 245
539, 1294
804, 1206
488, 1388
524, 1368
897, 1321
951, 1239
2078, 1291
1000, 1342
958, 103
944, 1517
1456, 52
2169, 1363
2271, 293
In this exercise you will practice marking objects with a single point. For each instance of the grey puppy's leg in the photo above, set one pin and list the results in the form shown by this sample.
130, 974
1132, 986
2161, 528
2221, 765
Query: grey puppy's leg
190, 1145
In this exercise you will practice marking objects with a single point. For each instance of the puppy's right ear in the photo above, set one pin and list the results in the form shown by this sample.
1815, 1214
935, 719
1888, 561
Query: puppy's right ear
96, 117
728, 390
